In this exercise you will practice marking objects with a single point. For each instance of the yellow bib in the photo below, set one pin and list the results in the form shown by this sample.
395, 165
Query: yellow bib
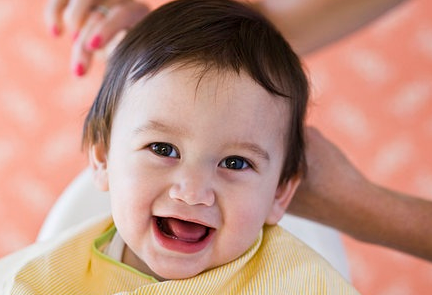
277, 263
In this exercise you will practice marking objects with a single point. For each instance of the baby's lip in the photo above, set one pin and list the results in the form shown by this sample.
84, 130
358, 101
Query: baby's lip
187, 219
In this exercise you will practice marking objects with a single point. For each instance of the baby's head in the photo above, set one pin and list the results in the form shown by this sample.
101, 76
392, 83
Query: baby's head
197, 132
218, 35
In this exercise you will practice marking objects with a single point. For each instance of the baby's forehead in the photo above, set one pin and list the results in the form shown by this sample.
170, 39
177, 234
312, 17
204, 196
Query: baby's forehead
201, 74
190, 85
199, 78
227, 102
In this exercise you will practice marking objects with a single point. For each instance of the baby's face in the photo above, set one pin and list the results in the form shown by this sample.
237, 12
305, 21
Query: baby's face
193, 171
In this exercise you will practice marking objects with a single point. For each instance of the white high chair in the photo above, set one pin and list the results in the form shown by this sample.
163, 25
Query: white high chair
81, 201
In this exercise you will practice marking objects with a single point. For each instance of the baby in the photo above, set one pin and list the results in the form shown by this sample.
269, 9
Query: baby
197, 134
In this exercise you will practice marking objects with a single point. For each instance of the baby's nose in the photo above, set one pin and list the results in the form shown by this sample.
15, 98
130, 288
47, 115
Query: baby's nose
193, 189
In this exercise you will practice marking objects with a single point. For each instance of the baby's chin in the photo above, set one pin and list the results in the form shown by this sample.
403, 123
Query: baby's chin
162, 273
184, 270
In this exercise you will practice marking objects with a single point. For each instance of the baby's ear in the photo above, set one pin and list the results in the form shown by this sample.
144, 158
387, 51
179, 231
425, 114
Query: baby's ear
98, 163
283, 197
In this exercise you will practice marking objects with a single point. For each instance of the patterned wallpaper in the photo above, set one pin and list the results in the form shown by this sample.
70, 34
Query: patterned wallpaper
372, 95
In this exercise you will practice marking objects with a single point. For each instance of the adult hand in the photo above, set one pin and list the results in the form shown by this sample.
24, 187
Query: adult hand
92, 24
326, 191
335, 193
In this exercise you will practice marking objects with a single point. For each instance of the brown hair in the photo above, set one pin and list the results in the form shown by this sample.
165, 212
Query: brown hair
217, 34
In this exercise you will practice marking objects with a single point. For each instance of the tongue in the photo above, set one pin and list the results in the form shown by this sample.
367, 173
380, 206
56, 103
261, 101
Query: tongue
186, 231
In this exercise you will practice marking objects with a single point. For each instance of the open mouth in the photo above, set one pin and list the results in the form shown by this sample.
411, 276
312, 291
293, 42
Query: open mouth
181, 235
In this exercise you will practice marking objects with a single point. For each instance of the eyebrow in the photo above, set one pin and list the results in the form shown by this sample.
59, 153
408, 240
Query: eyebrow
157, 126
254, 148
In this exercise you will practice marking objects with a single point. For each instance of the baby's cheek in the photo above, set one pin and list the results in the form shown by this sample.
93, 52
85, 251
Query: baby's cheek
245, 225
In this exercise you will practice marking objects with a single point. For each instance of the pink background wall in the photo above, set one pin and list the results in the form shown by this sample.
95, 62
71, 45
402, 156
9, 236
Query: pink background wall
372, 96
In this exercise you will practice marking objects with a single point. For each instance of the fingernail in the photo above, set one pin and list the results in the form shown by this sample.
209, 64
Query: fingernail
75, 36
79, 70
55, 31
95, 42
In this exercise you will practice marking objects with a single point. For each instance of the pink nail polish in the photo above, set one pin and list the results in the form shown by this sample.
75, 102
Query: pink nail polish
95, 42
79, 70
75, 36
55, 31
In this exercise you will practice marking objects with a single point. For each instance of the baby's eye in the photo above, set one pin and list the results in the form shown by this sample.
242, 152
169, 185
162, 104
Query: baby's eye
164, 149
236, 163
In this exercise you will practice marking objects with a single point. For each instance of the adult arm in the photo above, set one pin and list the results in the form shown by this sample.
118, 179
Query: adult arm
312, 24
307, 24
335, 193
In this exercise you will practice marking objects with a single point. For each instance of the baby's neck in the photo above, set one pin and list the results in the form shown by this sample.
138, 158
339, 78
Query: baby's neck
131, 259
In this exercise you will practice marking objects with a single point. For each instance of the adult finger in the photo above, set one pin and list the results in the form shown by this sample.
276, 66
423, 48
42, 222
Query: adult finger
81, 55
117, 18
102, 31
53, 15
76, 14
